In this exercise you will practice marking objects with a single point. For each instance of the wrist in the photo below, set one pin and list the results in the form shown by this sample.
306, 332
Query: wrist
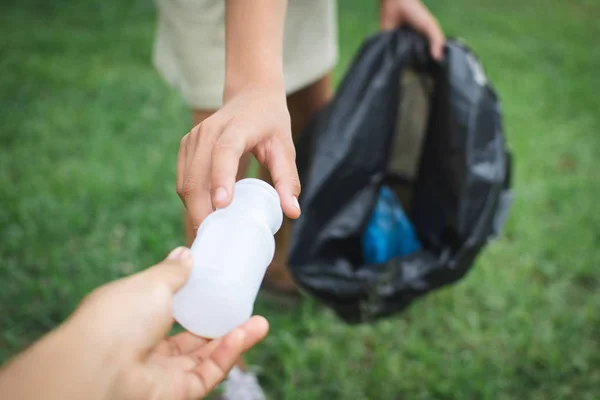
268, 80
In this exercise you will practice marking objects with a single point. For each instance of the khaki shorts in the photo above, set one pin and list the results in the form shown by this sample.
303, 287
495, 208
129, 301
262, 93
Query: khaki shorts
189, 50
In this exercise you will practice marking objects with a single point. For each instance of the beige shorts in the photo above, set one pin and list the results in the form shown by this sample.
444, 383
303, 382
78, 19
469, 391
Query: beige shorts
189, 50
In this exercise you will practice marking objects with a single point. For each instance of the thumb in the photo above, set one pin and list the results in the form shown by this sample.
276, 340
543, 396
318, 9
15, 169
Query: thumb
150, 295
172, 272
142, 302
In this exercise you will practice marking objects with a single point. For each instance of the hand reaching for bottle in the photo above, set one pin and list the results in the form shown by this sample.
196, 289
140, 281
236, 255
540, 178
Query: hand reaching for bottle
114, 346
255, 119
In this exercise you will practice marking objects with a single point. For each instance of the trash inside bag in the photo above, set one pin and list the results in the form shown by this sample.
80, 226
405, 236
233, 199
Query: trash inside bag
430, 134
389, 232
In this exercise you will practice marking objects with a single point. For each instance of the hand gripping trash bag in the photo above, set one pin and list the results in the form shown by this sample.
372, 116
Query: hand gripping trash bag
456, 193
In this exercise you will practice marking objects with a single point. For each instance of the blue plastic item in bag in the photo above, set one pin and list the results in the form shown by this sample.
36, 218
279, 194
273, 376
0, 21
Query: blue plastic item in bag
389, 233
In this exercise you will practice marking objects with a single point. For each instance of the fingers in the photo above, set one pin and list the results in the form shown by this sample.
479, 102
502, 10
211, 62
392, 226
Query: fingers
226, 155
434, 34
209, 158
212, 370
181, 344
416, 15
419, 17
218, 357
193, 171
388, 20
228, 151
282, 166
187, 343
256, 329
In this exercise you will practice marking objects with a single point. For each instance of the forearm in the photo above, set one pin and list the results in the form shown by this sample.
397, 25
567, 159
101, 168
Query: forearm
58, 366
254, 43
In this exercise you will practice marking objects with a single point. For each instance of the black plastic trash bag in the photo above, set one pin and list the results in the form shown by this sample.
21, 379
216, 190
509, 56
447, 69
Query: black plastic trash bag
459, 195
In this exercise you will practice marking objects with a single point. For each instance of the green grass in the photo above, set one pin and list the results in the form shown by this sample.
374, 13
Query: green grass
88, 140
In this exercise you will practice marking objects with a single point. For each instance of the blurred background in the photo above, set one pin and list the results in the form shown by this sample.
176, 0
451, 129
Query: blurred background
88, 144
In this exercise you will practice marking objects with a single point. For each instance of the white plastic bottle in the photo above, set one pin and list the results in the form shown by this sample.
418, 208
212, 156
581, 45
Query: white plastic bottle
231, 252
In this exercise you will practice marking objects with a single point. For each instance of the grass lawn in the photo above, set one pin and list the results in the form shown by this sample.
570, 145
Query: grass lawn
88, 143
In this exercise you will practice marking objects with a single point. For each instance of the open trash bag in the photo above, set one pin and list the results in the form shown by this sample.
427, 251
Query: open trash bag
429, 132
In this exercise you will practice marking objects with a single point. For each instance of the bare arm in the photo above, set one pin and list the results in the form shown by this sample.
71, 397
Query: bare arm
114, 346
254, 44
254, 117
